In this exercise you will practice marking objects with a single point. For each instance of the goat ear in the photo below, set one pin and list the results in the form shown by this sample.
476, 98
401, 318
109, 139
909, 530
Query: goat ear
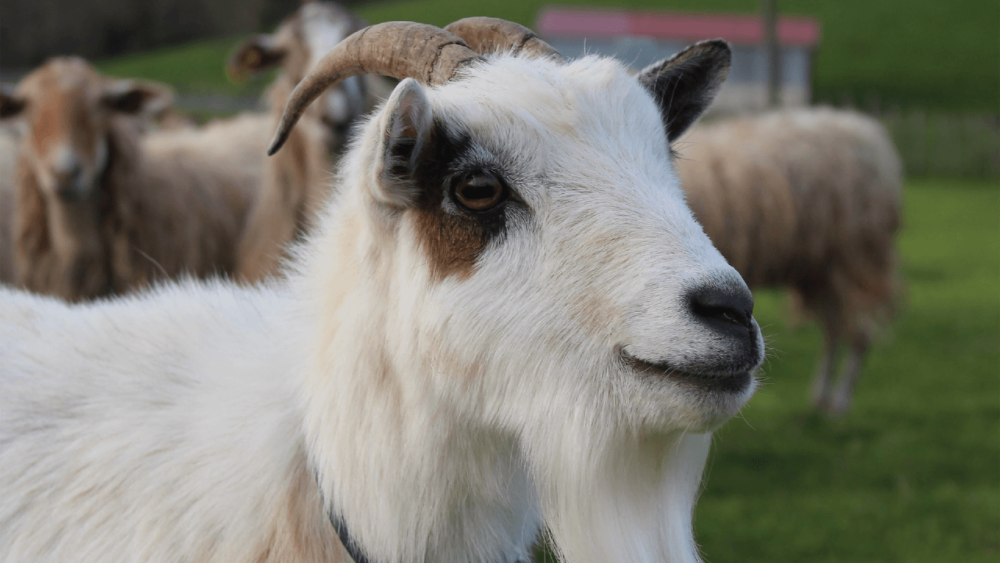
10, 104
253, 56
406, 127
135, 96
685, 85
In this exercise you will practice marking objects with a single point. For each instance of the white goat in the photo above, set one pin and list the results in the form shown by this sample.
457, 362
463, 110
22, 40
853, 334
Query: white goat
507, 317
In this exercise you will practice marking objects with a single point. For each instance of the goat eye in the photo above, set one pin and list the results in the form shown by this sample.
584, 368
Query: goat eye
480, 193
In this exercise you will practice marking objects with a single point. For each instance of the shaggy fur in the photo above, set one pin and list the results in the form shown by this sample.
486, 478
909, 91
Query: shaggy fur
102, 209
439, 419
808, 199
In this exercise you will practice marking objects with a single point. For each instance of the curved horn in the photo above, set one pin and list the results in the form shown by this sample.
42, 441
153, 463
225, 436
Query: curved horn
489, 35
398, 49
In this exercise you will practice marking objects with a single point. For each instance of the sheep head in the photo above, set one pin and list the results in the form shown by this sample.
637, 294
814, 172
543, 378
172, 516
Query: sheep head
68, 109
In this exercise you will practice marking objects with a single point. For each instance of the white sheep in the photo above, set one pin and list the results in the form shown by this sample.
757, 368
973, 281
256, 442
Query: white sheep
811, 200
508, 317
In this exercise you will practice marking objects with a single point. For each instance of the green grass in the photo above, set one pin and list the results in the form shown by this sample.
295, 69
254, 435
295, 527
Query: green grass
193, 68
927, 53
912, 474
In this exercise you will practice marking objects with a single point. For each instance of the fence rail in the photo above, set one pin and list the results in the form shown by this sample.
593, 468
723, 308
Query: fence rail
936, 144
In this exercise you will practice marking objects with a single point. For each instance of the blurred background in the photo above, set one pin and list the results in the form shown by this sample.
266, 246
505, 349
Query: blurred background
912, 472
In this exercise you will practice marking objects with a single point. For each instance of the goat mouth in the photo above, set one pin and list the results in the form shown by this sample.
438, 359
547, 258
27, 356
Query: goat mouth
717, 382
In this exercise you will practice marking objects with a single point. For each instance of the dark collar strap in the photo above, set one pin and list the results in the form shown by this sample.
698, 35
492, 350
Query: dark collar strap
349, 544
345, 538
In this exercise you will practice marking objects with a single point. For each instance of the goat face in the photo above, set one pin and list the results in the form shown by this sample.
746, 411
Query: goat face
68, 109
299, 42
543, 249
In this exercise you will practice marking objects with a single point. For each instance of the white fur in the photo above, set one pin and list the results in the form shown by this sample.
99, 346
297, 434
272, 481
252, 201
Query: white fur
445, 420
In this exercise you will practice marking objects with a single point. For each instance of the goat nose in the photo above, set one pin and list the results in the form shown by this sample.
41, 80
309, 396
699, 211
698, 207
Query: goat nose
727, 310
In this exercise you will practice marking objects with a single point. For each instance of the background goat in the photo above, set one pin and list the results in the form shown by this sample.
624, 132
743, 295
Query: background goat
807, 199
297, 45
296, 180
102, 209
507, 316
159, 113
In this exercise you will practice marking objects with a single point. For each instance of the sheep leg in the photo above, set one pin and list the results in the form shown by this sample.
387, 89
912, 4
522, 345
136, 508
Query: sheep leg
841, 401
821, 383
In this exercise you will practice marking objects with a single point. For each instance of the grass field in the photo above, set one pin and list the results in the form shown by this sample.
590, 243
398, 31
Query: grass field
193, 68
937, 55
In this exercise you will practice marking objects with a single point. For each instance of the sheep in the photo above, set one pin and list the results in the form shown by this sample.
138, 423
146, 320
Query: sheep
506, 317
101, 209
296, 181
808, 199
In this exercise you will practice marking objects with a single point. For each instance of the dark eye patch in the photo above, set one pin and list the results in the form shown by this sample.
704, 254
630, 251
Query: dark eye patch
455, 235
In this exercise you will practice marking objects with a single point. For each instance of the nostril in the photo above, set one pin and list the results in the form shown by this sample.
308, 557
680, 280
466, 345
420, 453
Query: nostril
719, 306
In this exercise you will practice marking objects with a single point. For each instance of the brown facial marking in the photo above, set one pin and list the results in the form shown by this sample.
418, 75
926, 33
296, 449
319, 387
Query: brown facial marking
47, 122
452, 244
62, 94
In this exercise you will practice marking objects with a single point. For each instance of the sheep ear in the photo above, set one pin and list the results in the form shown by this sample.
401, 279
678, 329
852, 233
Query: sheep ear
405, 134
685, 85
253, 56
10, 104
134, 96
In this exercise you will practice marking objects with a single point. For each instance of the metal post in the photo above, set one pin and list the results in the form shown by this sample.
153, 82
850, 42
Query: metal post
769, 9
